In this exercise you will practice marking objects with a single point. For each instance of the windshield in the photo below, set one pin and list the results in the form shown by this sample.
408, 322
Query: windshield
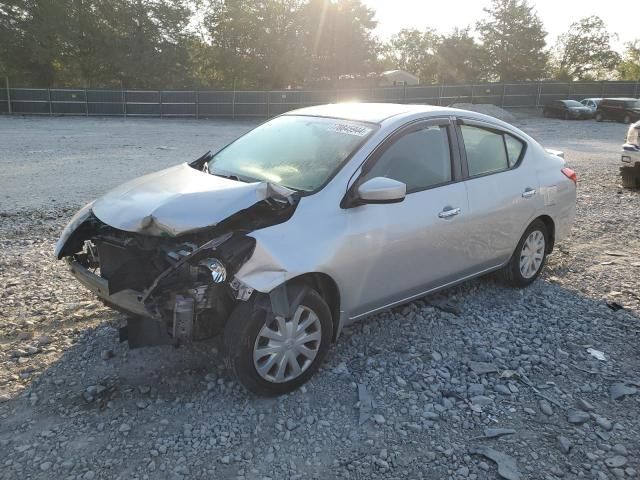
572, 103
297, 152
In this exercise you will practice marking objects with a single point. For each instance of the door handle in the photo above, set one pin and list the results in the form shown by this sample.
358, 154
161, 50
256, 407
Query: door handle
448, 213
528, 193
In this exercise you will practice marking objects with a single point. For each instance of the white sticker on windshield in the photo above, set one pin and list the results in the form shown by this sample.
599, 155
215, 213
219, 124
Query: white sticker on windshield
357, 130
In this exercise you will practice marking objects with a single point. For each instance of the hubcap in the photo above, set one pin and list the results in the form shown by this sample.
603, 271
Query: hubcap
285, 348
532, 254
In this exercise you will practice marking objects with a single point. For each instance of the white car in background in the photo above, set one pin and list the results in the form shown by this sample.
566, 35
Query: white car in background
591, 103
630, 169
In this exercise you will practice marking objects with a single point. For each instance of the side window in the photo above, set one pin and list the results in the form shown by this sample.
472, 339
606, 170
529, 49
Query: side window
514, 149
485, 149
419, 159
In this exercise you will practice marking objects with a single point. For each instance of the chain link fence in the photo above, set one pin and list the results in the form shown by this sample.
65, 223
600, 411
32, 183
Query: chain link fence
238, 104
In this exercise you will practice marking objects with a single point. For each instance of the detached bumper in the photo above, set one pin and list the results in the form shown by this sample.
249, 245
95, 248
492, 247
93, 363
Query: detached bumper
126, 300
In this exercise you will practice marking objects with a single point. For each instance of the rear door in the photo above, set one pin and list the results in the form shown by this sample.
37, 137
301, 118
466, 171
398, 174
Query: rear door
502, 188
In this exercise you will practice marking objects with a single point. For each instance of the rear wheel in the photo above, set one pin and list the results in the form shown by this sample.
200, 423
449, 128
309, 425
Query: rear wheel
272, 354
529, 258
630, 177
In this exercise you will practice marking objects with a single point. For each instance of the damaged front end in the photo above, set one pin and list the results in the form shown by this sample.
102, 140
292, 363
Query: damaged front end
173, 288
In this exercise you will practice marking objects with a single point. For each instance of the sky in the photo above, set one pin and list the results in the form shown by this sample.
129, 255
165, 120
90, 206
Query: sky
557, 15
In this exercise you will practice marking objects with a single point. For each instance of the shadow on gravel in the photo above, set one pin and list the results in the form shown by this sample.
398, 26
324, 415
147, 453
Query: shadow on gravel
440, 371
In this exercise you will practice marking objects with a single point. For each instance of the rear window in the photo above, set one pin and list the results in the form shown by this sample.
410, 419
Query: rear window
490, 151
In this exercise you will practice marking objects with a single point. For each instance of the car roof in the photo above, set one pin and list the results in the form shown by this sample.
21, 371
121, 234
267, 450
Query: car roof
621, 99
369, 112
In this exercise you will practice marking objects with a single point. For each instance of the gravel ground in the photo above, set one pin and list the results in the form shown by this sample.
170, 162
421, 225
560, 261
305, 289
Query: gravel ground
476, 382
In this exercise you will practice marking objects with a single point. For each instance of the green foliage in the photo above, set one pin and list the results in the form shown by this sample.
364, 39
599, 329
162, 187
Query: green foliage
415, 52
272, 44
337, 39
584, 52
460, 59
629, 68
513, 40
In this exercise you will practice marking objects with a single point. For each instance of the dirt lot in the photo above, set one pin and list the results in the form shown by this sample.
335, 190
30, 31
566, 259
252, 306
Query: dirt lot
479, 371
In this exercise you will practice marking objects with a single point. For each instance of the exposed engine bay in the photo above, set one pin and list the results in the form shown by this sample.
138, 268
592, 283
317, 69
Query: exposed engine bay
174, 288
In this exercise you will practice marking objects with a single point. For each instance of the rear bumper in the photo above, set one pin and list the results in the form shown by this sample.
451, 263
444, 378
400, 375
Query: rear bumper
126, 300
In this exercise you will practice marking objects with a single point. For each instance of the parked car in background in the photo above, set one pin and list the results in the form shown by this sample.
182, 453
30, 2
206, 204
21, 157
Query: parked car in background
567, 109
625, 110
315, 219
591, 103
630, 169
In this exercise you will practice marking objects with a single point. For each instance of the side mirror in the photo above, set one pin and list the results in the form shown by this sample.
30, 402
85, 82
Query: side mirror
382, 190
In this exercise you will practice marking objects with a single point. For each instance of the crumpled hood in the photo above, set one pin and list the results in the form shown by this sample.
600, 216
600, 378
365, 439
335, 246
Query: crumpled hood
178, 200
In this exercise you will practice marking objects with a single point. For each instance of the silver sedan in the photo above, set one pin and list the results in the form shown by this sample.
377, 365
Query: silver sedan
316, 219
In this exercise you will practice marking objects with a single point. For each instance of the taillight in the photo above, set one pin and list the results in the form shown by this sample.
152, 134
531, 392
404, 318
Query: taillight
570, 174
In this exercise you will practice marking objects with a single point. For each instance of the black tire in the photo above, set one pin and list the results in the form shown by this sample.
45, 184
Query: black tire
243, 328
630, 177
511, 274
599, 117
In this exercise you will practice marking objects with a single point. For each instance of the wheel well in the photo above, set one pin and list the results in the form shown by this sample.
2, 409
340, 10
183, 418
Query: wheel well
328, 289
551, 230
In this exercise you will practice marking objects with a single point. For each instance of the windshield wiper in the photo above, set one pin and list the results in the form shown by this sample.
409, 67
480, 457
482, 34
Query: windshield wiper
230, 177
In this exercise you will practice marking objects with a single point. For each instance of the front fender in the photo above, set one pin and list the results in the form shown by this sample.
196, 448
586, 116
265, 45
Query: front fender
263, 272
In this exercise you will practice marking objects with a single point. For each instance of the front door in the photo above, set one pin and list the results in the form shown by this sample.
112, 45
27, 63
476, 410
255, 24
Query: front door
397, 251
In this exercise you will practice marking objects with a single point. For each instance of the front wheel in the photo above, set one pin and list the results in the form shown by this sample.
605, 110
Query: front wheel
273, 354
529, 258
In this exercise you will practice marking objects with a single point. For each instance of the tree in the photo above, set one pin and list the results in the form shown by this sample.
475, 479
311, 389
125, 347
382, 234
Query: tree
256, 43
629, 67
338, 39
513, 39
459, 58
415, 52
584, 51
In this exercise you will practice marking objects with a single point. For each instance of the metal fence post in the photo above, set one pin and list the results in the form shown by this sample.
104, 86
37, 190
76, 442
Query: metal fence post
8, 94
160, 93
197, 105
86, 103
504, 94
49, 101
268, 92
539, 94
233, 103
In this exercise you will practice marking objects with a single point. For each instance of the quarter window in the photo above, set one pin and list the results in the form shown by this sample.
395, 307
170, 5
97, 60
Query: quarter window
489, 151
419, 159
514, 149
